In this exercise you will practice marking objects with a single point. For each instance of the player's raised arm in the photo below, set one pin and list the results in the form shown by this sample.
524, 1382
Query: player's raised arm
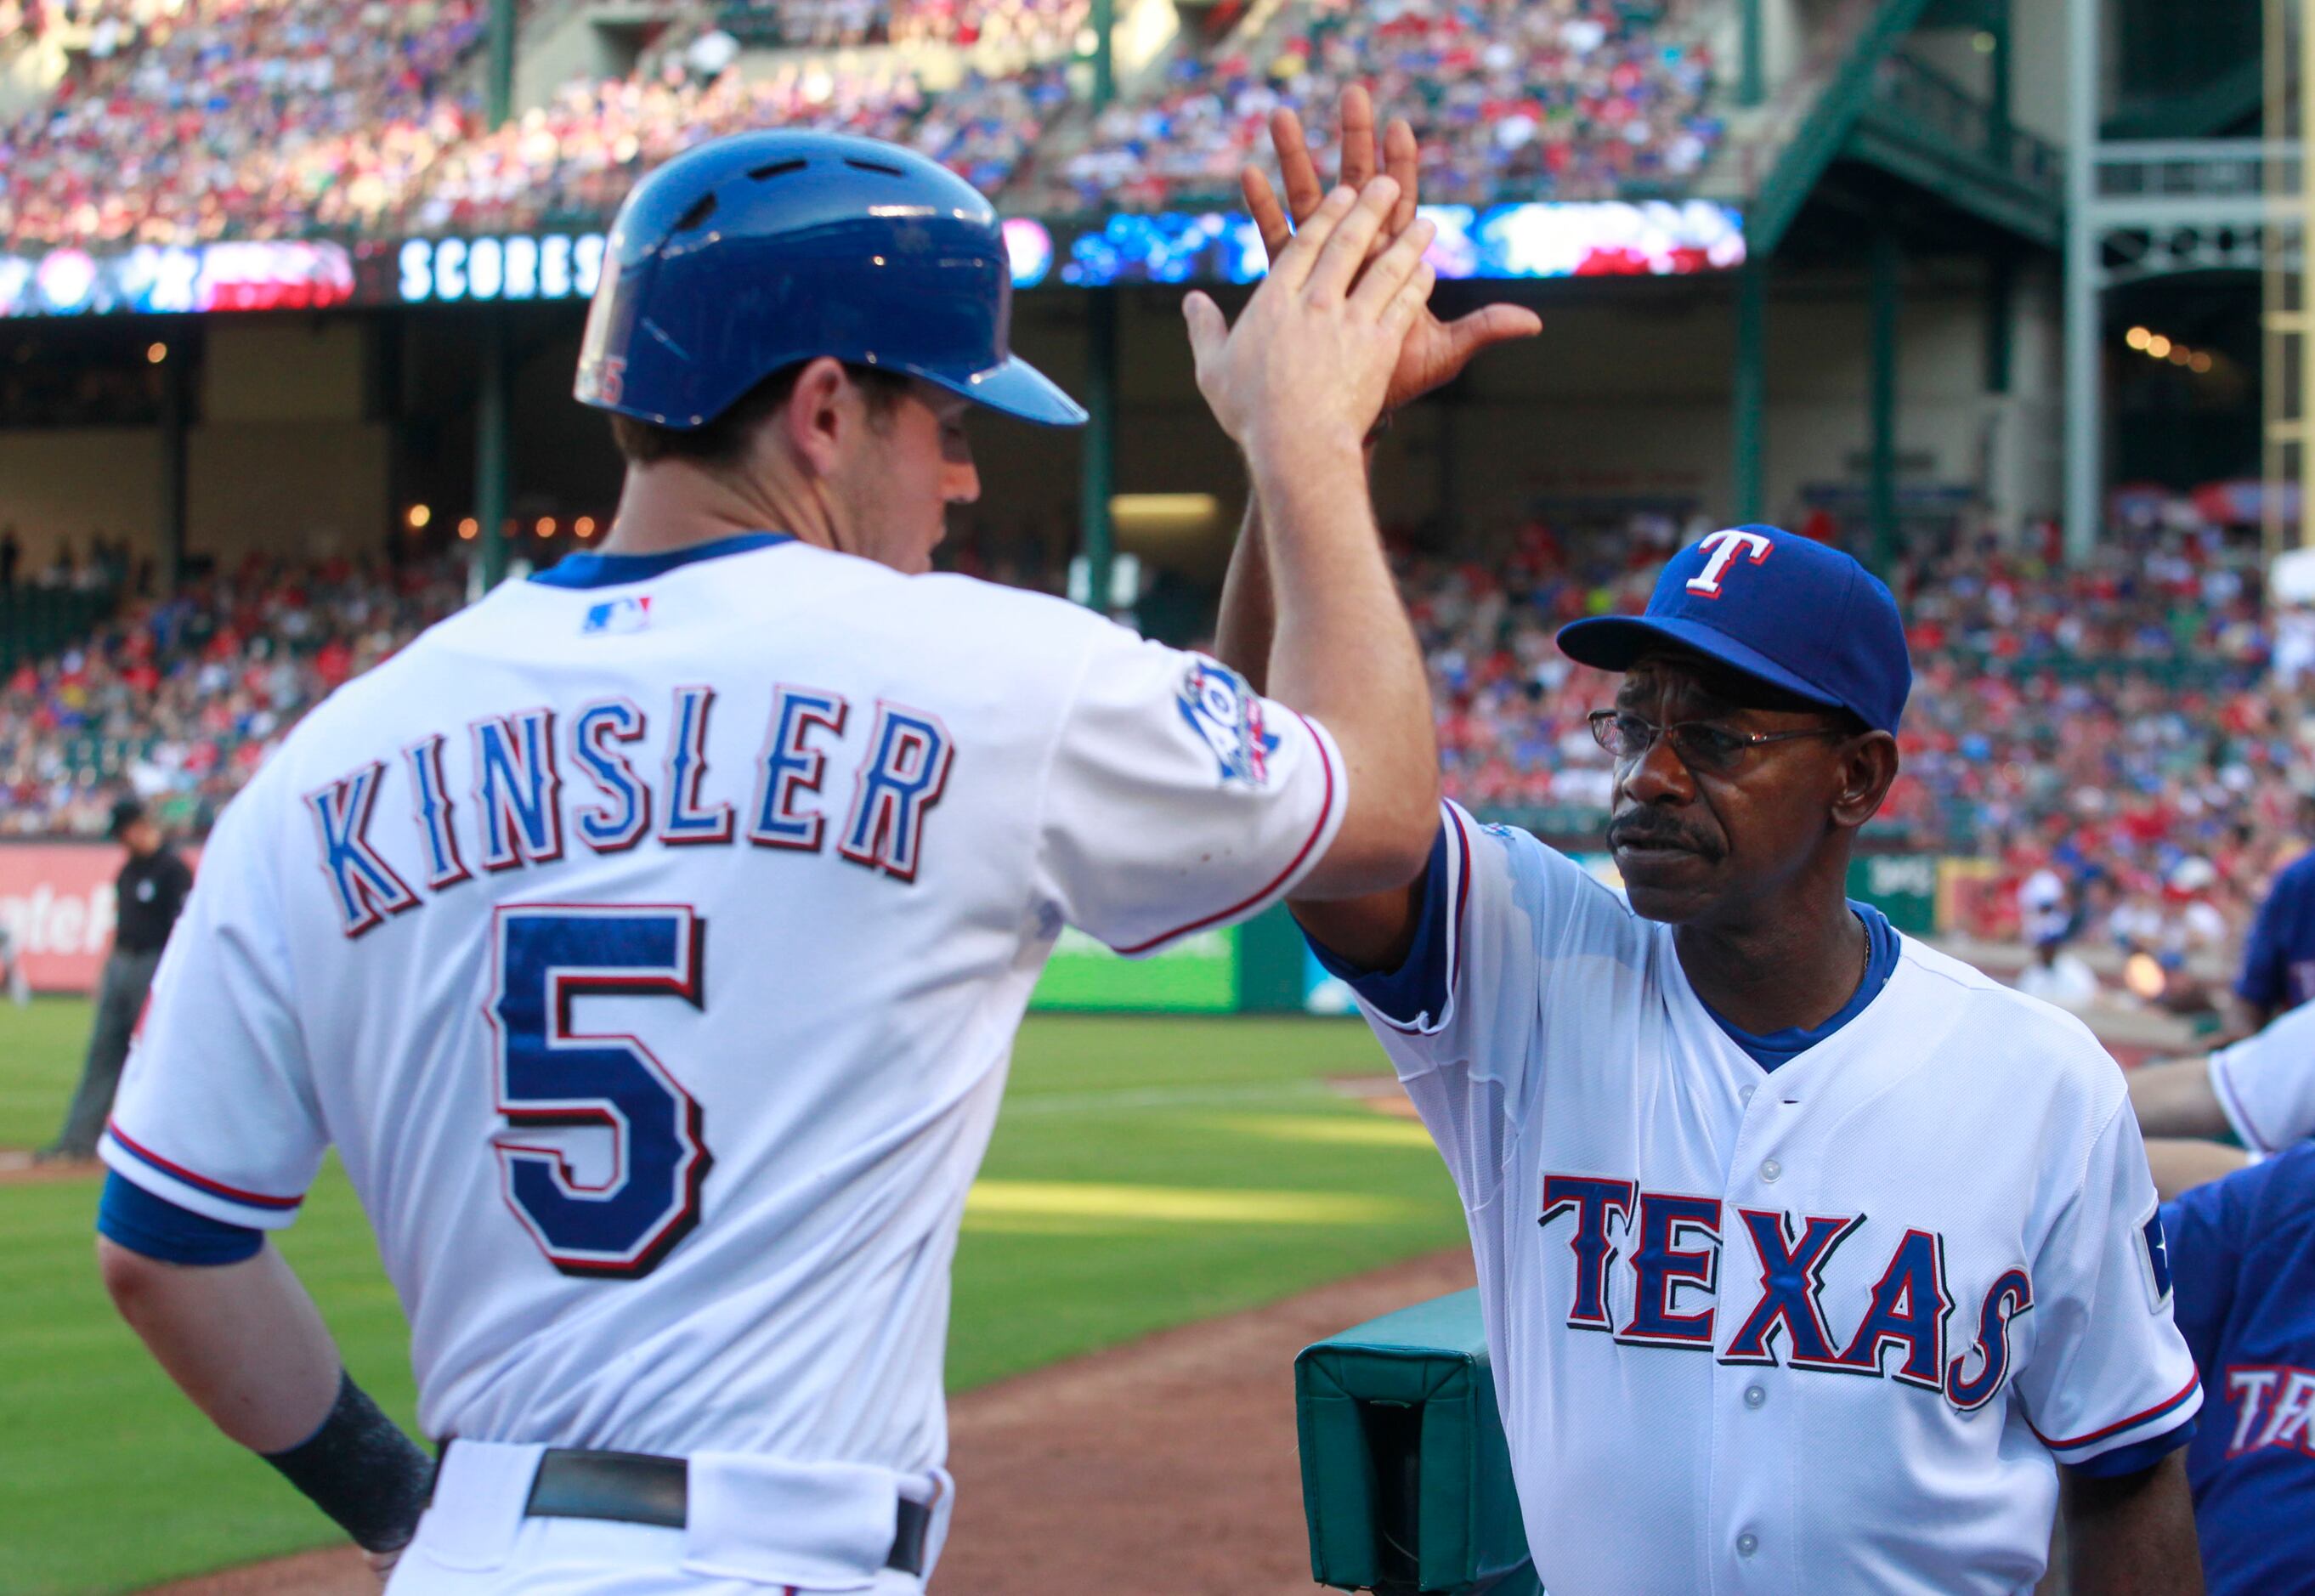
1373, 929
1298, 383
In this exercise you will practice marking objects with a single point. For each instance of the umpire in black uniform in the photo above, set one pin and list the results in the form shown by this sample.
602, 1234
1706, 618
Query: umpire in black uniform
149, 895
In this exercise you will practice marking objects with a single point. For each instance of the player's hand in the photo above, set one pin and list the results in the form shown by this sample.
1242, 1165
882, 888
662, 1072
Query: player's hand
1435, 351
1311, 357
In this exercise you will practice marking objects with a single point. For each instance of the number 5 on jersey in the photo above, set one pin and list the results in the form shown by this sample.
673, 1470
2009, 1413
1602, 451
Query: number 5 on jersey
550, 1075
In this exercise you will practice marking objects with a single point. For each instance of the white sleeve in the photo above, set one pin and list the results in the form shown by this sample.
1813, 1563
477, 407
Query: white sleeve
216, 1112
1460, 1018
2266, 1082
1177, 799
2109, 1370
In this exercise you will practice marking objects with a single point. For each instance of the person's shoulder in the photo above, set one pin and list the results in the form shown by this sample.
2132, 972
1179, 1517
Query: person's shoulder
2024, 1038
1543, 878
2297, 879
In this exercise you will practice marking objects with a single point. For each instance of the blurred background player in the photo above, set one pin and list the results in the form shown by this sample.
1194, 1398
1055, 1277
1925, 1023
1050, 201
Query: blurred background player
2242, 1255
673, 1231
149, 895
2259, 1091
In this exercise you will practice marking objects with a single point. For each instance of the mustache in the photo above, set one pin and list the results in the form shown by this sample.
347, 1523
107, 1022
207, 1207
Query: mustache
1648, 828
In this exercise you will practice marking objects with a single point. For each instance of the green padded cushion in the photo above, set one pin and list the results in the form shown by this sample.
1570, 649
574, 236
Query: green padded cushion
1412, 1389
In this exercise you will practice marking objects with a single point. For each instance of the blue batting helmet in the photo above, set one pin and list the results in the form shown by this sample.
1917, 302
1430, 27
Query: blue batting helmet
760, 250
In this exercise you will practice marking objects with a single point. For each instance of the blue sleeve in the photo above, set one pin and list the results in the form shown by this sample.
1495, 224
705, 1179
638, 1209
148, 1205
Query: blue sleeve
2139, 1456
1419, 985
2263, 956
131, 1217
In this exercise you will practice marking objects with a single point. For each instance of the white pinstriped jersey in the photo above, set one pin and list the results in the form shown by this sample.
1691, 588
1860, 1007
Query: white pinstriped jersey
2266, 1082
1824, 1328
650, 943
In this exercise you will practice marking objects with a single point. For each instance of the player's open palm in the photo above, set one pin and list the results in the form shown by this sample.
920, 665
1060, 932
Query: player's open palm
1311, 356
1435, 351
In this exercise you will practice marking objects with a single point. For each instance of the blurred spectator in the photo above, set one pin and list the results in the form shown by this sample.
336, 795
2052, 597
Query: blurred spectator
2056, 976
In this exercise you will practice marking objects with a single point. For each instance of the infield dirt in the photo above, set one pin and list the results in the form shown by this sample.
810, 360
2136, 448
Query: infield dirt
1166, 1464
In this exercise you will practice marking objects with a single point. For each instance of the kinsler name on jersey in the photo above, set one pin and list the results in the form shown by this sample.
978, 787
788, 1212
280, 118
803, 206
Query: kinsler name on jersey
1907, 1315
512, 815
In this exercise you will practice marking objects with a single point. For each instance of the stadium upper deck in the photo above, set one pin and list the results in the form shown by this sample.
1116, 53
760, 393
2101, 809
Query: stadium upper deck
192, 121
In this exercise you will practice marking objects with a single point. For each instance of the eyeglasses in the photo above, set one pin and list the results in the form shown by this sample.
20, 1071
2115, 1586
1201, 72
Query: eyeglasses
1704, 748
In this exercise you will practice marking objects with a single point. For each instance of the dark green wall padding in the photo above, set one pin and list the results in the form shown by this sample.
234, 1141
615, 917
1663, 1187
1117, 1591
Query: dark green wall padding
1406, 1482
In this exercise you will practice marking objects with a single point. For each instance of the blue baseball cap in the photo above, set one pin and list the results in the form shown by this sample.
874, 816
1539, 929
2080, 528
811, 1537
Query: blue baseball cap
1776, 605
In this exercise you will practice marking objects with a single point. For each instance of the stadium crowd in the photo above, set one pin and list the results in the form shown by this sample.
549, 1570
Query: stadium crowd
182, 121
180, 699
186, 121
1574, 100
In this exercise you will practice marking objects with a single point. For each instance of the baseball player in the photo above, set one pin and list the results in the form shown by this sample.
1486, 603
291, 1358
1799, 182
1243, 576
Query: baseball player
2261, 1089
649, 938
2242, 1253
1811, 1259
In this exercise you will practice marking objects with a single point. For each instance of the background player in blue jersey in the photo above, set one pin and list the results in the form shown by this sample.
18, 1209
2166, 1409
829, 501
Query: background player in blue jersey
2242, 1259
2278, 967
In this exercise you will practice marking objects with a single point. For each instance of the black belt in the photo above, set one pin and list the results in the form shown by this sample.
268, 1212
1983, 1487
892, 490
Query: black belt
636, 1488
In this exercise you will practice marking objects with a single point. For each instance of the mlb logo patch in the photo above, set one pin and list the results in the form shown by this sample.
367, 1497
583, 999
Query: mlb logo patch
1227, 715
614, 615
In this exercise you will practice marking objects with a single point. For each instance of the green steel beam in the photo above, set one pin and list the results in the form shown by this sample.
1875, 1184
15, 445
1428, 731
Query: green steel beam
1103, 23
498, 73
1751, 81
2000, 319
1881, 486
1827, 126
1099, 483
494, 485
1885, 138
1999, 90
1746, 494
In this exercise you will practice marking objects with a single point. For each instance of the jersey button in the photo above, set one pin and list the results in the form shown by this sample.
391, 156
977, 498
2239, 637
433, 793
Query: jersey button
1770, 1169
1747, 1544
1754, 1396
1745, 1096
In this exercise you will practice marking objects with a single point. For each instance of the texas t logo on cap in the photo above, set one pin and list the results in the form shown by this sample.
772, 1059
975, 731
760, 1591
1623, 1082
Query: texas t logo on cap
1811, 621
1720, 550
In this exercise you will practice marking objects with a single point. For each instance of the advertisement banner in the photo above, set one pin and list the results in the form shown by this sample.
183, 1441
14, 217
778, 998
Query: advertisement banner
56, 909
1196, 975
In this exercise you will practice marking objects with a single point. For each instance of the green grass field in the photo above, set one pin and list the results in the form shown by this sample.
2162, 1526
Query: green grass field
1145, 1173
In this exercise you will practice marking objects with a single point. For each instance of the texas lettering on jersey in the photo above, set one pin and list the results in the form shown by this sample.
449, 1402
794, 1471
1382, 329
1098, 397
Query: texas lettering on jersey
543, 783
1673, 1246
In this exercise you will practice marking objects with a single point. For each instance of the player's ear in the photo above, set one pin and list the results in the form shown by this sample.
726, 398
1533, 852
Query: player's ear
1866, 766
815, 420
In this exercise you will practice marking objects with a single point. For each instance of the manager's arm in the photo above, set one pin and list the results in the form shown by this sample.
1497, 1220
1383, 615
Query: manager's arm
1298, 383
2133, 1535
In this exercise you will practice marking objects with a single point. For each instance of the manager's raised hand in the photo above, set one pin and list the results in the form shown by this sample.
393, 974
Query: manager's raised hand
1435, 351
1307, 368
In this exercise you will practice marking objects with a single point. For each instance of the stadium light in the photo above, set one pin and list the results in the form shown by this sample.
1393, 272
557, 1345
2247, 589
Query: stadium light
546, 525
156, 353
2138, 338
419, 515
469, 528
584, 527
2201, 362
2159, 347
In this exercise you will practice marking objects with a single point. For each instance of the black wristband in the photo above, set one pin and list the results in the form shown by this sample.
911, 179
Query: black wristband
360, 1468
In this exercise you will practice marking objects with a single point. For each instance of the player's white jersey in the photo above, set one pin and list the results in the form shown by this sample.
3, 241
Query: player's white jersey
1812, 1329
2267, 1082
651, 952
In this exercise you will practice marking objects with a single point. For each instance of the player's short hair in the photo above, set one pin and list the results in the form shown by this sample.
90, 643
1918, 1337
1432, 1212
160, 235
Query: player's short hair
722, 441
